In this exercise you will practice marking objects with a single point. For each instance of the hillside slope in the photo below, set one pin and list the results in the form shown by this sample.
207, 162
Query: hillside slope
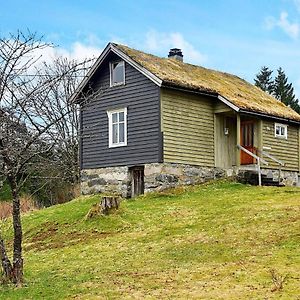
214, 241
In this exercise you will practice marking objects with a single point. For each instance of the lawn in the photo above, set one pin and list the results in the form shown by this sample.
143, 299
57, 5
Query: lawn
215, 241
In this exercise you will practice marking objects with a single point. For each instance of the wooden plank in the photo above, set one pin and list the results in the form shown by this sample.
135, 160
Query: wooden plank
260, 135
286, 150
215, 139
238, 139
192, 123
141, 97
299, 148
222, 110
188, 127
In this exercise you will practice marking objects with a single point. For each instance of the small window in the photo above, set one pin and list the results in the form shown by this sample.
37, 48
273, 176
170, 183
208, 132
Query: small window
281, 130
117, 73
117, 122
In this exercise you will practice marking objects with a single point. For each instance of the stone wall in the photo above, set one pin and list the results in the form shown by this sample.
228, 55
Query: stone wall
105, 180
288, 178
157, 177
160, 176
167, 175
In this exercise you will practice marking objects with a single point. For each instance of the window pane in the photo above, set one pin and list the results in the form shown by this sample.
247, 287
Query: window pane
122, 132
115, 117
115, 133
282, 131
121, 117
118, 72
277, 130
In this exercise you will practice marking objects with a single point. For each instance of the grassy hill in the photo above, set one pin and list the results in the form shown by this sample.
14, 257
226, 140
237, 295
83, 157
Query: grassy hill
214, 241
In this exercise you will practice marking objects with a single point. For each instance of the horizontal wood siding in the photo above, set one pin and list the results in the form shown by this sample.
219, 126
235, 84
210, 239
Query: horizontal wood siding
188, 128
141, 97
286, 150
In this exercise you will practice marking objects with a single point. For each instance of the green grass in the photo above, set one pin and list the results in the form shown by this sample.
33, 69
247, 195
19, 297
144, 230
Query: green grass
214, 241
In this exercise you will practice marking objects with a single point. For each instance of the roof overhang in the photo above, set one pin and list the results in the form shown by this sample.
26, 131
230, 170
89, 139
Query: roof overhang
228, 103
112, 48
264, 115
231, 105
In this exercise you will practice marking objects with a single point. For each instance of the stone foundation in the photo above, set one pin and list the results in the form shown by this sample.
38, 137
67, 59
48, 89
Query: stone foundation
289, 178
157, 177
166, 175
105, 180
160, 176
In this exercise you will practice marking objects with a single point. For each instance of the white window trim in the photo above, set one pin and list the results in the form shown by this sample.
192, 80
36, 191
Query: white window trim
111, 73
279, 135
110, 131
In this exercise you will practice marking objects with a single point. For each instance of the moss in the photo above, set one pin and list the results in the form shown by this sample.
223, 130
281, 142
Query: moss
238, 91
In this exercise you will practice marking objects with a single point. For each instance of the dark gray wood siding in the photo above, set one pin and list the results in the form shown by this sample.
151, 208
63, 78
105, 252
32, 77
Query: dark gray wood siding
141, 97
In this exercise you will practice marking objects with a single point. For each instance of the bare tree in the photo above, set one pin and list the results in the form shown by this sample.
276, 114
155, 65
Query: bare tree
30, 124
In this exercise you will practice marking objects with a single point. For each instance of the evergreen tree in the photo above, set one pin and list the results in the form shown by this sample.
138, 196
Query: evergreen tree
284, 91
264, 80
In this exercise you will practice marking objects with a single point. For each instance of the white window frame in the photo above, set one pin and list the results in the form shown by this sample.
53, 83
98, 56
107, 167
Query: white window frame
110, 127
281, 136
111, 73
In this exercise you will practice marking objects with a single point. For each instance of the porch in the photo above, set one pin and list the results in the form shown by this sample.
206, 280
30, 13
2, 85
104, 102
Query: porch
239, 145
232, 129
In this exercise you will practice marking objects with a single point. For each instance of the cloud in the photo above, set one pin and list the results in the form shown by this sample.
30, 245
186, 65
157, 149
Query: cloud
159, 42
297, 4
80, 51
291, 29
77, 51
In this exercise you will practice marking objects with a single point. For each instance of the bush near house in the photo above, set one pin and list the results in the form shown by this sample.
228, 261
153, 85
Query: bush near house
216, 241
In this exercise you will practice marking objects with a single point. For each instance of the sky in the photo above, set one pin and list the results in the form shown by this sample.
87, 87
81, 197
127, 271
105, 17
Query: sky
235, 36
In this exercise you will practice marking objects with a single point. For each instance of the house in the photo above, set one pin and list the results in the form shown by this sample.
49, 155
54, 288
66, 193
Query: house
148, 123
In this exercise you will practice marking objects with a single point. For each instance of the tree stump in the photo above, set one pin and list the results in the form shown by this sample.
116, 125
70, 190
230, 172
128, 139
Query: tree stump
104, 207
109, 203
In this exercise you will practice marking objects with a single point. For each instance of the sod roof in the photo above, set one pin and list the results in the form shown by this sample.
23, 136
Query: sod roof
239, 92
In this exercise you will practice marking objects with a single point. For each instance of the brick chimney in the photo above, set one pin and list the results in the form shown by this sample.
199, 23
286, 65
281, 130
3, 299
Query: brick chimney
176, 54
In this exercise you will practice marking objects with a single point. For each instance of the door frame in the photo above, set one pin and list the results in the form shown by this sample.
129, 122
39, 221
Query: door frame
137, 180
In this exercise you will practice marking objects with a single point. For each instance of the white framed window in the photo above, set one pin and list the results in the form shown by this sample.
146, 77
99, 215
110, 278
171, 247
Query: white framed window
117, 73
281, 130
117, 127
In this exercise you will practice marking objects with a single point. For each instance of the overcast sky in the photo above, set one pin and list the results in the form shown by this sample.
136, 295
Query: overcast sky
235, 36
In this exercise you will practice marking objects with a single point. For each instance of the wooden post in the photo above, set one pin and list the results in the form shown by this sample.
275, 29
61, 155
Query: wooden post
238, 139
260, 136
299, 148
259, 171
215, 140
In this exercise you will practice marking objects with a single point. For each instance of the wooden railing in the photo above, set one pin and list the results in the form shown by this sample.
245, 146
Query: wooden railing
259, 160
279, 162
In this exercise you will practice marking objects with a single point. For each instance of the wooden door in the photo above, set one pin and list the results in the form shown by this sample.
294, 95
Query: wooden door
137, 181
247, 141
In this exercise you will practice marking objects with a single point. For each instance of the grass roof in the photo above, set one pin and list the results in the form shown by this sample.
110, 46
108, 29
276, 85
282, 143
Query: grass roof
239, 92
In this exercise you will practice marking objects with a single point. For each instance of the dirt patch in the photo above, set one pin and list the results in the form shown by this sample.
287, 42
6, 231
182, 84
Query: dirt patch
52, 237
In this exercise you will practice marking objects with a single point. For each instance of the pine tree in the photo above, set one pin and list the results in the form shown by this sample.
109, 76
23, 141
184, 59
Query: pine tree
284, 91
264, 80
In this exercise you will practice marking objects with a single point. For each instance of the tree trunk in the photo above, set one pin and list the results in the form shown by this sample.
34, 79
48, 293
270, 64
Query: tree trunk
14, 271
18, 235
5, 262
